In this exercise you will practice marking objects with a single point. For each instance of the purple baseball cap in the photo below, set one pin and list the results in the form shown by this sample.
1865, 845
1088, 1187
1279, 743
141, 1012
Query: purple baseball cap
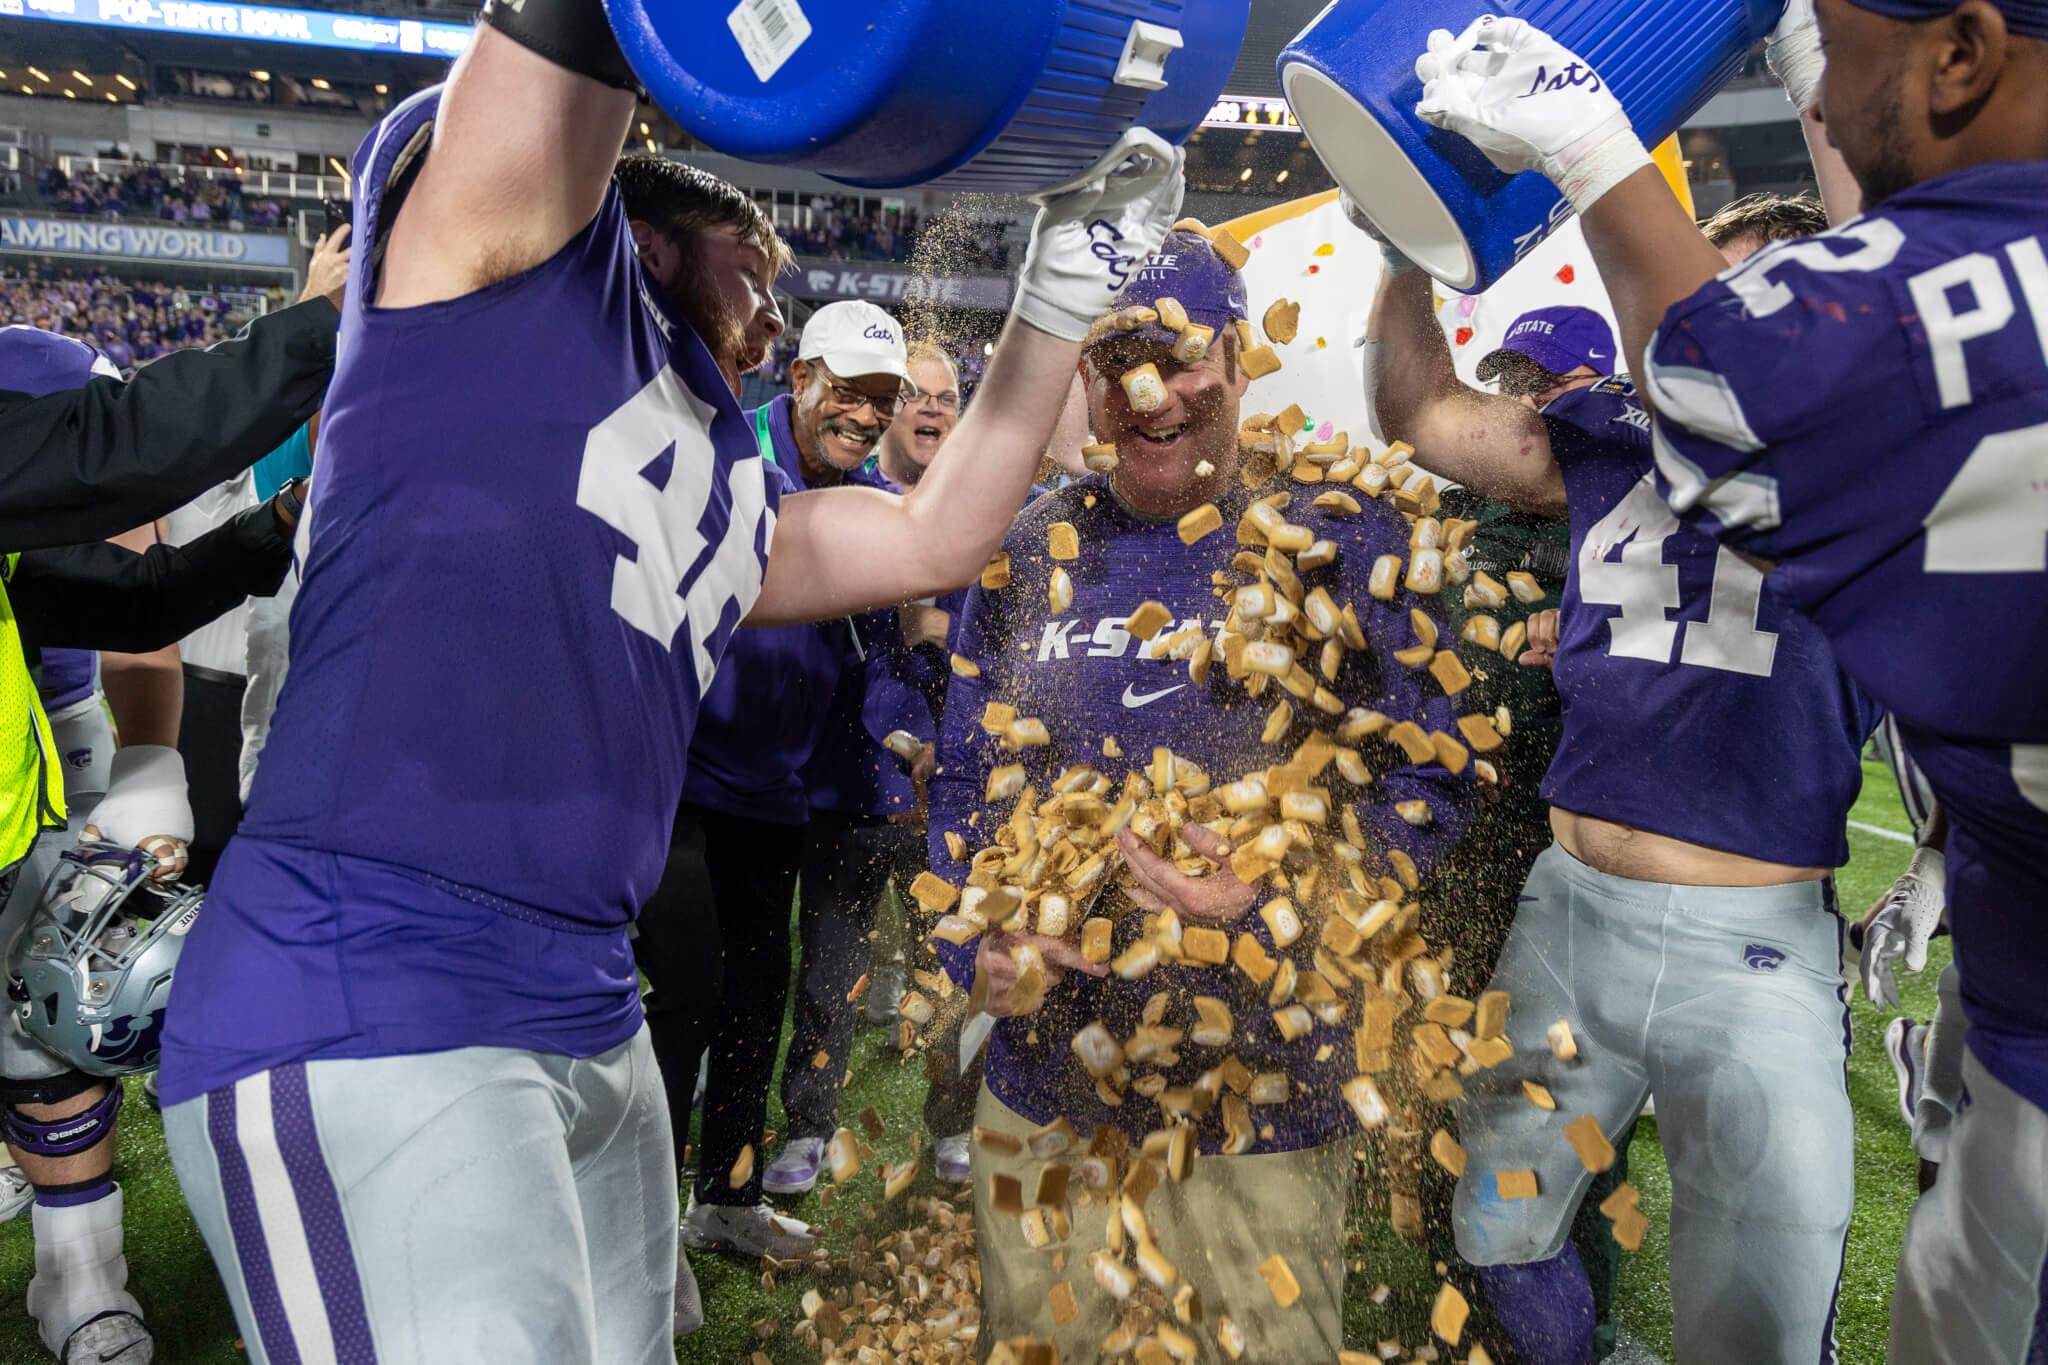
1559, 339
1186, 268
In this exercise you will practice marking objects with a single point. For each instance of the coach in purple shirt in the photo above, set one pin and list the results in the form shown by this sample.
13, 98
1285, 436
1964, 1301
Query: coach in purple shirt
1088, 679
714, 938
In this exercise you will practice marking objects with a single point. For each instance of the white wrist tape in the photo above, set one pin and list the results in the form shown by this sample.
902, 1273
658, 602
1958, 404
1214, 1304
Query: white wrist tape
1929, 865
1582, 177
1797, 61
145, 796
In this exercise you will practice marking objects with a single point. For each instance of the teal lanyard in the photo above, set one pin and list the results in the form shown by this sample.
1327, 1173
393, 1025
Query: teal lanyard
766, 439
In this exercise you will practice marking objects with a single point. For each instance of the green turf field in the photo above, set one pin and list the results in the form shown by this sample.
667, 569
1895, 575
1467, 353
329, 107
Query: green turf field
171, 1274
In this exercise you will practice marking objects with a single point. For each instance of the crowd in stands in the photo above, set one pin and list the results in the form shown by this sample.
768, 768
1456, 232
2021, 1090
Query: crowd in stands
171, 194
130, 321
840, 227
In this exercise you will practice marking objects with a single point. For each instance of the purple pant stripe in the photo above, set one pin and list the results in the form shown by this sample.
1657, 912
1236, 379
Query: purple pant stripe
291, 1110
251, 1253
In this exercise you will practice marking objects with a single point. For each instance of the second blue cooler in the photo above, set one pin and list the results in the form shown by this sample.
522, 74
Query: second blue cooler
1350, 78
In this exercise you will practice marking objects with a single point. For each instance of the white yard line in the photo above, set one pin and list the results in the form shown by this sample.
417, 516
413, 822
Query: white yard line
1881, 832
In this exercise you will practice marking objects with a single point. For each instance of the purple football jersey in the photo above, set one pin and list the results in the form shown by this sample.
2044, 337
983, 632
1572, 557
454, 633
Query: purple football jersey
536, 520
1697, 702
1088, 678
1868, 411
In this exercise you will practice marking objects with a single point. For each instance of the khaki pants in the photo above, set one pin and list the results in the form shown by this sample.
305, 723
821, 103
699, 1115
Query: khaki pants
1216, 1228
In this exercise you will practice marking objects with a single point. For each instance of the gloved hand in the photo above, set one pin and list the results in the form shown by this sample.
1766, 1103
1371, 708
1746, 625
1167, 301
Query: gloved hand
1905, 921
1086, 239
1396, 261
146, 806
1794, 56
1530, 104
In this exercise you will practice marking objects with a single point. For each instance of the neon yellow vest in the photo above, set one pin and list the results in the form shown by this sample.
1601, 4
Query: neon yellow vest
31, 779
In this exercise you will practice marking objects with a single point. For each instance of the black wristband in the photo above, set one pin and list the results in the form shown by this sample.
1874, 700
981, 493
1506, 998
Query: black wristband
573, 34
290, 505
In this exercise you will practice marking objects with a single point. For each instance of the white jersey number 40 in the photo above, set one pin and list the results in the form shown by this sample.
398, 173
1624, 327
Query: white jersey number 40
649, 590
1645, 588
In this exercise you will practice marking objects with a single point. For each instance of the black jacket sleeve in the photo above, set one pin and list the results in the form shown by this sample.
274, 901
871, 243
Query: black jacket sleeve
93, 462
102, 596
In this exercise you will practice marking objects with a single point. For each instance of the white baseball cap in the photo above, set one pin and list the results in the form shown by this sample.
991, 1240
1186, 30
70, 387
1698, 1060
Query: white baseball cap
855, 339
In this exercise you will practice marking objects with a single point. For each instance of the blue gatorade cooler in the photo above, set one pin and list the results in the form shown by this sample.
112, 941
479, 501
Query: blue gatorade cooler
1007, 96
1350, 77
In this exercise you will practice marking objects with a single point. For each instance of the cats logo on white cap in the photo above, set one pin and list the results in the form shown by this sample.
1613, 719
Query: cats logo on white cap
855, 339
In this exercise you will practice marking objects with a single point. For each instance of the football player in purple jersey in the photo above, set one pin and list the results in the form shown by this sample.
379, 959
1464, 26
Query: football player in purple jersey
1683, 922
407, 1085
1867, 412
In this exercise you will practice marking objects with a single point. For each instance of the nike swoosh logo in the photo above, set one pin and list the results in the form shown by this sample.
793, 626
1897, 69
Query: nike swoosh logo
1134, 700
124, 1351
1596, 355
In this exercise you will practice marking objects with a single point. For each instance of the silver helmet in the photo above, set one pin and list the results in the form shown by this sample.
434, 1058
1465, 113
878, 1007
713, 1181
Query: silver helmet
91, 972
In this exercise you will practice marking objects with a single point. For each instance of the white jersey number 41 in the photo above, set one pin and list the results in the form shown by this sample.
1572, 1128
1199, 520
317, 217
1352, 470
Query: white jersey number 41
1646, 590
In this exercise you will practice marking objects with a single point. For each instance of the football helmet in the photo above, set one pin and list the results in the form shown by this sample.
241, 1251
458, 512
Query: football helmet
91, 971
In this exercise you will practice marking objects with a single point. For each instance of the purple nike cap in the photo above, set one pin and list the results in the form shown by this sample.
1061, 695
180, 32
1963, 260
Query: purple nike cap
1186, 268
1559, 339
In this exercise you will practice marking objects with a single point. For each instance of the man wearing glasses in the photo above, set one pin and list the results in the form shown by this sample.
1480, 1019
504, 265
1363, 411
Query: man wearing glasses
739, 831
867, 808
846, 384
931, 406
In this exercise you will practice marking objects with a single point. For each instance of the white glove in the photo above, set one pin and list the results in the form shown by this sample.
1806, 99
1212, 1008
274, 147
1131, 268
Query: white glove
1087, 238
1904, 923
146, 806
1794, 56
1530, 104
1395, 260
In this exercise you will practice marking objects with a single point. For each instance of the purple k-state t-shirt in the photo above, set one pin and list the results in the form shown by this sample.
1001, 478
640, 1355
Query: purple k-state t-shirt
1867, 410
1698, 703
1088, 678
768, 708
536, 521
850, 773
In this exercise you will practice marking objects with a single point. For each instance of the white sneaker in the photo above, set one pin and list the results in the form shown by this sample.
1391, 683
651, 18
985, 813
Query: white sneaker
751, 1230
16, 1193
953, 1159
795, 1168
689, 1303
110, 1339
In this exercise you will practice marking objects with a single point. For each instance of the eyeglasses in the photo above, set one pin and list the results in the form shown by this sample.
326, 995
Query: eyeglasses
949, 399
847, 398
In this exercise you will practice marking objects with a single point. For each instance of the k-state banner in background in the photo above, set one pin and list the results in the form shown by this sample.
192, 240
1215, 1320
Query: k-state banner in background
142, 242
821, 280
